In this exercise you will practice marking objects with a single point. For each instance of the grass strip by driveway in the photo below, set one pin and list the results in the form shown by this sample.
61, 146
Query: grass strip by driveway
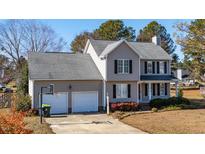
169, 122
33, 123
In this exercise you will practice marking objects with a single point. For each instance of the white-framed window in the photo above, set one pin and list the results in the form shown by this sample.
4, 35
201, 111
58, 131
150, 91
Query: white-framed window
120, 66
161, 67
123, 66
162, 89
121, 90
149, 67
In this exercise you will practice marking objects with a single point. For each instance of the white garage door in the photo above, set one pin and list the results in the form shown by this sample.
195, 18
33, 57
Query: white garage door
58, 102
85, 101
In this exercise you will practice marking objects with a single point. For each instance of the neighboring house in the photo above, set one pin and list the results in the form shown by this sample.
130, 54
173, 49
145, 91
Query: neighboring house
125, 71
185, 76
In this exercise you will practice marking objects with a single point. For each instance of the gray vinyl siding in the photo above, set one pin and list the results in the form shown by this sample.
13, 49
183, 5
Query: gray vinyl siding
122, 52
63, 86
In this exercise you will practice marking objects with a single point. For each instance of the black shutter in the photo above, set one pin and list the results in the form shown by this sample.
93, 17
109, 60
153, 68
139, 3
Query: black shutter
157, 67
158, 89
129, 90
115, 67
145, 67
153, 89
165, 67
130, 66
146, 89
114, 91
153, 67
165, 89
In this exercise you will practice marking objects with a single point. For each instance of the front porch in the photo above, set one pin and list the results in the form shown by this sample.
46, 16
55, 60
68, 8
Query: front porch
148, 90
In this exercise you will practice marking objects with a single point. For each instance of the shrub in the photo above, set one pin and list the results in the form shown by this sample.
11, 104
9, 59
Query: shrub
124, 106
32, 112
172, 107
157, 103
21, 102
13, 123
190, 106
160, 103
154, 109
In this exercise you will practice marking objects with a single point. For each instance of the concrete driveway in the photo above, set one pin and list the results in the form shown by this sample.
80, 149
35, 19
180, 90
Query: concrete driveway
90, 124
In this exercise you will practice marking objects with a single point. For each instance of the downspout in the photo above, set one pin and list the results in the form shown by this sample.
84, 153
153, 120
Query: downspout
104, 85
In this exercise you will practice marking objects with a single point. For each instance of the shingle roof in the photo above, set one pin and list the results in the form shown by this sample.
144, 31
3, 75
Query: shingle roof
100, 45
157, 77
144, 50
62, 66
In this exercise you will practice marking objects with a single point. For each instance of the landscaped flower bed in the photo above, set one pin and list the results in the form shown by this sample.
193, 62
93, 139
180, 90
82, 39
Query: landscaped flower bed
124, 106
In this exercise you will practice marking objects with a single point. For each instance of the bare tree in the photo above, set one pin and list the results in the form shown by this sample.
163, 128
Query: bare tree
17, 37
11, 35
40, 38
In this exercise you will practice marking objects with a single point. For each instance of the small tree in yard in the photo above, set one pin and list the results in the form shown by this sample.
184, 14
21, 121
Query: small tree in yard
13, 123
22, 84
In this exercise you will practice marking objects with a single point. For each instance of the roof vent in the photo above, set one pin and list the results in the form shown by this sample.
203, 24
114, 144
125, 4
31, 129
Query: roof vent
156, 40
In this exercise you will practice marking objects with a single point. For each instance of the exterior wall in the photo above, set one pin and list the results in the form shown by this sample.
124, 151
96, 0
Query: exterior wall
63, 86
30, 91
101, 64
122, 52
134, 91
142, 70
146, 98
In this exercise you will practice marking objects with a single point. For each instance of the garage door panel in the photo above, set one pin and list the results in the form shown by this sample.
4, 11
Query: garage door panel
84, 101
58, 102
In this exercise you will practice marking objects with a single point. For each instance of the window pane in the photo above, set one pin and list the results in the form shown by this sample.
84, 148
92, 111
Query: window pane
149, 67
162, 89
118, 91
124, 91
120, 66
121, 91
161, 67
126, 66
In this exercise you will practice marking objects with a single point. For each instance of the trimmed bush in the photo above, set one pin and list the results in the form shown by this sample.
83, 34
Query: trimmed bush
154, 109
160, 103
124, 106
21, 102
157, 103
172, 107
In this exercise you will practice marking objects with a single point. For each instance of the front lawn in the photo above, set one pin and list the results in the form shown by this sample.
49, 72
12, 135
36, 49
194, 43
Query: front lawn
169, 122
33, 123
190, 94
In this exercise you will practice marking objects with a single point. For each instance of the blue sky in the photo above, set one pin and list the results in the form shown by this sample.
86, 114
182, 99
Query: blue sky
69, 28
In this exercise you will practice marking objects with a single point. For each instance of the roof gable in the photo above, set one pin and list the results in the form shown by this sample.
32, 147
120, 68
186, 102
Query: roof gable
144, 50
113, 46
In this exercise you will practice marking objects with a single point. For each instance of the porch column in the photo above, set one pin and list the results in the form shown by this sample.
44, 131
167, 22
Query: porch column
141, 96
149, 91
104, 94
137, 92
177, 88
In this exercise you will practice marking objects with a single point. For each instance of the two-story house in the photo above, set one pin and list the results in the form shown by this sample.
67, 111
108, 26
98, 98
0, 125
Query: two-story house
124, 71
